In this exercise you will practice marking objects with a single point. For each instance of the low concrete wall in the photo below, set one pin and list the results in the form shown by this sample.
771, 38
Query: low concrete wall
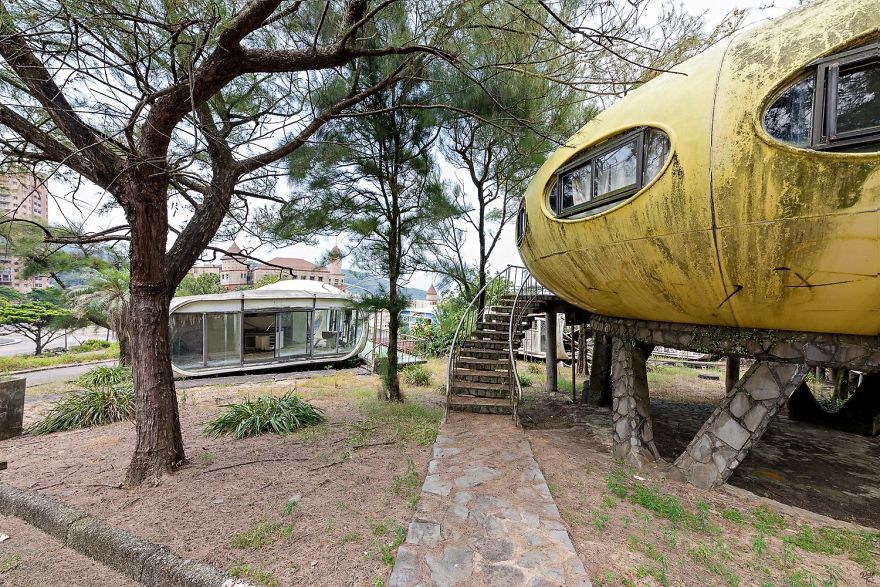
146, 562
11, 406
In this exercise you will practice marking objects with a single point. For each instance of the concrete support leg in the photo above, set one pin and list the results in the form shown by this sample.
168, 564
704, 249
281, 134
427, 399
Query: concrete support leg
732, 373
741, 419
632, 426
598, 387
552, 377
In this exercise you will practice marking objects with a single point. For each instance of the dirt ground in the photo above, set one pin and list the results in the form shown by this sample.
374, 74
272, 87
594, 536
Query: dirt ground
326, 506
640, 529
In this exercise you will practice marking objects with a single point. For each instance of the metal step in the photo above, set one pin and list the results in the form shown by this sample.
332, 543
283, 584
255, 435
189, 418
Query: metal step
479, 405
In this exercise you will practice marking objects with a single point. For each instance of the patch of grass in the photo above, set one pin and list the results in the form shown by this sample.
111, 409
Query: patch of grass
407, 485
241, 570
406, 421
91, 345
416, 375
262, 534
267, 413
860, 547
86, 408
105, 376
665, 506
608, 502
351, 537
290, 507
759, 544
10, 563
24, 362
386, 550
526, 379
730, 578
555, 490
733, 515
600, 520
380, 527
766, 521
534, 368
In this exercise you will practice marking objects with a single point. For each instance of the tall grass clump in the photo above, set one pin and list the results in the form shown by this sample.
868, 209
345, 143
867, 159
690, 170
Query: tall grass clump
105, 376
108, 397
267, 413
416, 375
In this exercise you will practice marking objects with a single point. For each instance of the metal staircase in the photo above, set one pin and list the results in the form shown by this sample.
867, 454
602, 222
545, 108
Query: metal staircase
482, 357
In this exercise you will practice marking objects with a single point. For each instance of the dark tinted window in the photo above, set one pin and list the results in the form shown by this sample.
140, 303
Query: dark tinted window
858, 98
521, 222
790, 117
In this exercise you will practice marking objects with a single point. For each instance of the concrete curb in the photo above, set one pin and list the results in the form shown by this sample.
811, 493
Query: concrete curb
146, 562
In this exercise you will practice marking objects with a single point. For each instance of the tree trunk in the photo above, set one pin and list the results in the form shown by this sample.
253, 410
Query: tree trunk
38, 344
159, 447
391, 379
124, 348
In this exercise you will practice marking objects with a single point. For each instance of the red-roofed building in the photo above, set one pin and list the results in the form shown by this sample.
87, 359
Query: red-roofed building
236, 272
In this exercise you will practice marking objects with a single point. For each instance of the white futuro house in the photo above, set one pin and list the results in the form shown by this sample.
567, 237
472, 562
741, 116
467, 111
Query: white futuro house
289, 322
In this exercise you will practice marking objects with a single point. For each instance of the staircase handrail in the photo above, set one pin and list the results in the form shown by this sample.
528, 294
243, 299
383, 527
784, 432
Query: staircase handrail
516, 318
455, 345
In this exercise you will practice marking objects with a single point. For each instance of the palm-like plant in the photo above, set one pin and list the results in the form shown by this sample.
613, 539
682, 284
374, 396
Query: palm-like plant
107, 294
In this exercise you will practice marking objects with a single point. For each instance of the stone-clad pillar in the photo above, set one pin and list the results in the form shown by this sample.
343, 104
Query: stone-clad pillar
741, 419
551, 359
632, 426
598, 389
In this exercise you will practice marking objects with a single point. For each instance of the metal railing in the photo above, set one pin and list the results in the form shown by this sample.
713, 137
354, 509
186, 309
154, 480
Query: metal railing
521, 306
511, 276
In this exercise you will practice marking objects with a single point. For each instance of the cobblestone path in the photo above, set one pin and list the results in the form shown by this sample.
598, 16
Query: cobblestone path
486, 516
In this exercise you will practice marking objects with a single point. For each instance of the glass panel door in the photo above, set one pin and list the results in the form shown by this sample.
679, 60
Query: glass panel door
293, 333
223, 338
187, 349
325, 335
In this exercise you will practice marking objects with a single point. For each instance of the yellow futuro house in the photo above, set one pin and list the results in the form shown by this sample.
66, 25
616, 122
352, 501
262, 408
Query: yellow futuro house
745, 192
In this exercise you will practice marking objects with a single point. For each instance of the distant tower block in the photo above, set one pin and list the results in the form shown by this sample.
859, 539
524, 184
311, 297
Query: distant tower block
431, 295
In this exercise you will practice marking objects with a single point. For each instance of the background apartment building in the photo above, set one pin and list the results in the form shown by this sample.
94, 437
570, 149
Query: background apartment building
25, 196
235, 273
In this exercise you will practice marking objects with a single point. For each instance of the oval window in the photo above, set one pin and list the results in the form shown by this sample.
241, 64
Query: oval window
609, 173
790, 117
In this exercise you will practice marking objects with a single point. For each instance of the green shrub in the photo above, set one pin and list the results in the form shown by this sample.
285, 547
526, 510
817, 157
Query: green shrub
416, 375
92, 344
89, 407
105, 376
267, 413
525, 379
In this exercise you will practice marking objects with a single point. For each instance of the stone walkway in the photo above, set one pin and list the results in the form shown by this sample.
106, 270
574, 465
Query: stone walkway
486, 516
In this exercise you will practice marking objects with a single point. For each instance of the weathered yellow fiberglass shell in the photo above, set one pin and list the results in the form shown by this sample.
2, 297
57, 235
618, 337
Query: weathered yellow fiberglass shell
738, 229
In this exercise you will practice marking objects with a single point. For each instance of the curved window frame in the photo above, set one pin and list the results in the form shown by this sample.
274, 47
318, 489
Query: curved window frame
825, 133
589, 158
521, 221
825, 72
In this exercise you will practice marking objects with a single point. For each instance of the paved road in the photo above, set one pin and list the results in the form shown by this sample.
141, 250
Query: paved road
60, 374
24, 346
63, 374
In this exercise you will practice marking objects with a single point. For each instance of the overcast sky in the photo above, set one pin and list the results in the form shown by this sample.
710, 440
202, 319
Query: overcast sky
506, 253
